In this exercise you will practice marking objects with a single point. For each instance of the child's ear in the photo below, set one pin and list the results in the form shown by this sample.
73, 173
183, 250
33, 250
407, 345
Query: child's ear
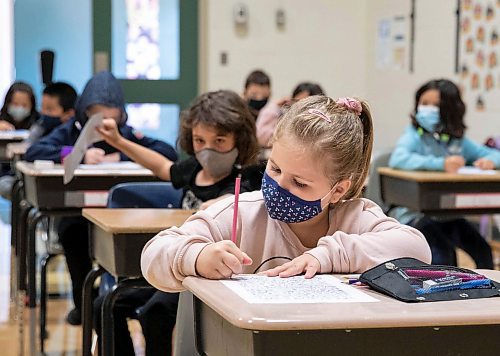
340, 190
68, 114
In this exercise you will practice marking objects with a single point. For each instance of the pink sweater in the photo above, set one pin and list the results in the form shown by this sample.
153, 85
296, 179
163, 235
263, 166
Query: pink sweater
360, 236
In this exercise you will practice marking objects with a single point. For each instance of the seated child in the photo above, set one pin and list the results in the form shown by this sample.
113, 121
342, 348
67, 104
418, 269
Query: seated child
19, 108
257, 91
308, 209
102, 94
269, 115
58, 102
218, 131
435, 141
58, 106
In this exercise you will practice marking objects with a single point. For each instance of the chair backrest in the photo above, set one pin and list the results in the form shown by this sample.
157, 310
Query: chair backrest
372, 192
144, 195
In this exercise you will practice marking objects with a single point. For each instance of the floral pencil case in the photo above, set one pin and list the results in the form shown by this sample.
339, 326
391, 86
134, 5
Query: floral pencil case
411, 280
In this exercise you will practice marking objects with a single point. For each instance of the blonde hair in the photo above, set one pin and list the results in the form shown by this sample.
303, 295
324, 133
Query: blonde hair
341, 137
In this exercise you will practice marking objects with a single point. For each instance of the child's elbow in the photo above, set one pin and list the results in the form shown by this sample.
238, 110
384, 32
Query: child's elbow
421, 250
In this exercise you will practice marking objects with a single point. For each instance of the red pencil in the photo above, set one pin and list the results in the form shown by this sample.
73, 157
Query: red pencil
235, 211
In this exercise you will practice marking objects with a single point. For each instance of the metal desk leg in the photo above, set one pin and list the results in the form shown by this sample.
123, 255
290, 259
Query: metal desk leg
35, 216
14, 213
25, 209
107, 335
21, 248
87, 309
43, 298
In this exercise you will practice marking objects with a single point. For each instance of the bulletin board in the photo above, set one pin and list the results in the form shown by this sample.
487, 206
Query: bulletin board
479, 54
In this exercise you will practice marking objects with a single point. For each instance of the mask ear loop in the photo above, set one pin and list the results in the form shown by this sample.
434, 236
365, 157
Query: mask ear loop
329, 195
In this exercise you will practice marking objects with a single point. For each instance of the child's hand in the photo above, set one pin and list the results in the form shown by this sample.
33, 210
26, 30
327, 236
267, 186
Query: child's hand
484, 163
6, 126
453, 163
306, 263
112, 157
94, 156
109, 131
221, 260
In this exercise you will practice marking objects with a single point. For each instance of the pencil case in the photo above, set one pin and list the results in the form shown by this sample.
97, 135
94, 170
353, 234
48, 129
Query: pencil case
410, 280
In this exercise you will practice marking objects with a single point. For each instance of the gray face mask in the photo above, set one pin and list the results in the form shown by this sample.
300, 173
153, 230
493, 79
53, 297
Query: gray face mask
18, 113
217, 164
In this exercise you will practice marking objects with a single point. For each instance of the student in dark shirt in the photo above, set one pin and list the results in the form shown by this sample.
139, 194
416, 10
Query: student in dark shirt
58, 107
102, 94
218, 130
19, 108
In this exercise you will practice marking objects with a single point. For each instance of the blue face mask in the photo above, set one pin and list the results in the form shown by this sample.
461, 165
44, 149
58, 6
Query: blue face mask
428, 117
50, 122
285, 206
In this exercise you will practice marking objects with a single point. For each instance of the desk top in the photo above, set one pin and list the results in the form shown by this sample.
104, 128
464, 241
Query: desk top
136, 221
15, 135
434, 177
29, 169
387, 313
16, 148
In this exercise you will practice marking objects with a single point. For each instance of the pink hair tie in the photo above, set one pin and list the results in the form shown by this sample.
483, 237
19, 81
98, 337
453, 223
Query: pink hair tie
320, 114
351, 105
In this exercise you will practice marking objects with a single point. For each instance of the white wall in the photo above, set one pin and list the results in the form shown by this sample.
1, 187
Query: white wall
323, 41
6, 46
391, 93
333, 42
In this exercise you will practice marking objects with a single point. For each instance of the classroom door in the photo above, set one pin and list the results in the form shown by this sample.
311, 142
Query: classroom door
151, 46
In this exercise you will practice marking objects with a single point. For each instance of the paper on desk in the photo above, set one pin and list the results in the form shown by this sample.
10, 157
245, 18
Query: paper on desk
87, 137
112, 166
474, 170
257, 289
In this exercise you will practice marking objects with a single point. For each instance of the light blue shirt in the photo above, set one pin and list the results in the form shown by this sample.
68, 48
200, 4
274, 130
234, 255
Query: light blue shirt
423, 152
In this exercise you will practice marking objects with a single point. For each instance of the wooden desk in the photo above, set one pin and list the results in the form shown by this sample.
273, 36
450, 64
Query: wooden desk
118, 235
45, 192
7, 137
117, 239
439, 193
227, 325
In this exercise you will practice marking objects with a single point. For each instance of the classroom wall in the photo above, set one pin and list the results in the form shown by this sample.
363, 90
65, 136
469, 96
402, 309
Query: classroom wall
335, 43
69, 34
326, 46
391, 92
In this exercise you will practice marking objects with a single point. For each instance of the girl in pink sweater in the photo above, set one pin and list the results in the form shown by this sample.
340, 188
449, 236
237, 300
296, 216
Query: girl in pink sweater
307, 212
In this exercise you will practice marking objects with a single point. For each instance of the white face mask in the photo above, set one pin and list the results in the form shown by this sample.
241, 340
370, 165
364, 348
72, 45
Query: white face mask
18, 113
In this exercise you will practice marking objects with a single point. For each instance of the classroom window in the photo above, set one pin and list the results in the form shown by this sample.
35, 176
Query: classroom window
155, 120
145, 39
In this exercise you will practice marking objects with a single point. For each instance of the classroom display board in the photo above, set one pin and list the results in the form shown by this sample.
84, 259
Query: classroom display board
479, 54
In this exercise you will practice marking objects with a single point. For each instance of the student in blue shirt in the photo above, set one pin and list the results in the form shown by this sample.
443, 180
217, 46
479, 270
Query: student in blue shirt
435, 141
102, 94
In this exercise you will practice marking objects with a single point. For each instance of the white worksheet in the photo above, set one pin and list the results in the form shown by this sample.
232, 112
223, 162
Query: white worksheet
87, 137
257, 289
475, 170
112, 165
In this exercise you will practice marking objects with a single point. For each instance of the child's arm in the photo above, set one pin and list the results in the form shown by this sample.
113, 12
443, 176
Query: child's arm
50, 146
405, 156
196, 248
158, 164
380, 239
480, 155
6, 126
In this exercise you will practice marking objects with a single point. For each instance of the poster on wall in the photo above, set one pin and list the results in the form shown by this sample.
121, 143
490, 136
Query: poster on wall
391, 42
479, 54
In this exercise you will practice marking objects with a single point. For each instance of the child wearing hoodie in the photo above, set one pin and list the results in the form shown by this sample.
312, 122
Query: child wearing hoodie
102, 94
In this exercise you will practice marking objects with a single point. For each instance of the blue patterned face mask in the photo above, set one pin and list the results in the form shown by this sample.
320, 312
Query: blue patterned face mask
285, 206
